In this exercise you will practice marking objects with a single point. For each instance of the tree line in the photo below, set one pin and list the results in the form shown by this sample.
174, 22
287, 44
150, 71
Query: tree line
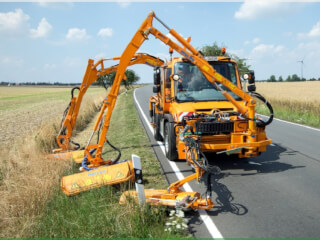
37, 84
292, 78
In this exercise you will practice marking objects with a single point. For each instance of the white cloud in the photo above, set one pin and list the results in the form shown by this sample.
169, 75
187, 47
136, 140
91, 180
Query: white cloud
14, 23
43, 29
13, 61
280, 60
253, 9
76, 34
123, 4
105, 32
313, 33
254, 41
263, 50
238, 52
99, 56
55, 5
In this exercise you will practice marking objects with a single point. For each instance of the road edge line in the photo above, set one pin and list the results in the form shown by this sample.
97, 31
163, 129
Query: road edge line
211, 227
296, 124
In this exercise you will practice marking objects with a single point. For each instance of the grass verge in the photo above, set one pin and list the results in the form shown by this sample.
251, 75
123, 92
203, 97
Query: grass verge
306, 113
97, 214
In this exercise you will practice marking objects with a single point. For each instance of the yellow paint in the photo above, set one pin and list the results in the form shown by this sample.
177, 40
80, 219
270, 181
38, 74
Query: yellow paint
106, 177
205, 68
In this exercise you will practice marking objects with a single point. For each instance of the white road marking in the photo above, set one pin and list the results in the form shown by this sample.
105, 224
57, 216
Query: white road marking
254, 163
212, 228
296, 124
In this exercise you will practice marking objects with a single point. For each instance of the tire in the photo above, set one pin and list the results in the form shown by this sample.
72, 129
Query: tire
170, 142
156, 133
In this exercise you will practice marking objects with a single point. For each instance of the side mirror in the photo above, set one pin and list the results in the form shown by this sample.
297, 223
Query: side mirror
156, 77
156, 89
251, 88
252, 78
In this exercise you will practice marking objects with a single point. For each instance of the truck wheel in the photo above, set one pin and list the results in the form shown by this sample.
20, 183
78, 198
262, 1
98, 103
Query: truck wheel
170, 142
156, 133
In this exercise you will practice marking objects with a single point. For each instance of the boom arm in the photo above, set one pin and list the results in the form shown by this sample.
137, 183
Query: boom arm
185, 50
91, 75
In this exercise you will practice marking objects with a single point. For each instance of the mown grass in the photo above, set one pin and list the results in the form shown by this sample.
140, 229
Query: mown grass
12, 98
97, 214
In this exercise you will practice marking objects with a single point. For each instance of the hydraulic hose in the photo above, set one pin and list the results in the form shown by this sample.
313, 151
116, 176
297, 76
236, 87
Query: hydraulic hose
84, 162
118, 150
260, 122
72, 90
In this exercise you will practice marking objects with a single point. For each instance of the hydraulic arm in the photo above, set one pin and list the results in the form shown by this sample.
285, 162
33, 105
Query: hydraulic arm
93, 72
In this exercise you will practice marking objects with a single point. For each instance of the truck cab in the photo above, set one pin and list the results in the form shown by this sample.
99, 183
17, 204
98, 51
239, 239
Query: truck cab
185, 97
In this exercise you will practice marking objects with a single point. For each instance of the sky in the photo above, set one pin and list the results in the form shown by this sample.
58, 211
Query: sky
52, 41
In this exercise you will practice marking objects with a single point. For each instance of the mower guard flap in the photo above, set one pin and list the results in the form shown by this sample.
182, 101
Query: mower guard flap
106, 175
76, 156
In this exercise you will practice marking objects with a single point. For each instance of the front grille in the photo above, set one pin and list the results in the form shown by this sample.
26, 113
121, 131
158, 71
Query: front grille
214, 127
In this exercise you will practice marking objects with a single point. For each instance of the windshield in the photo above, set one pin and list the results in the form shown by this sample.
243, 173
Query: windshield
193, 85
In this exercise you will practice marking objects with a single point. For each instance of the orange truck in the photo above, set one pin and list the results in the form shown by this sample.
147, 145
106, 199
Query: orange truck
187, 103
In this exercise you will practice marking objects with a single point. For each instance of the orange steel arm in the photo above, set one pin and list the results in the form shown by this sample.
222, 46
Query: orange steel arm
91, 75
185, 50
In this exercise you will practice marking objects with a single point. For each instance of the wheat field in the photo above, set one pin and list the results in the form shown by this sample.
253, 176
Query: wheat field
306, 92
29, 121
293, 101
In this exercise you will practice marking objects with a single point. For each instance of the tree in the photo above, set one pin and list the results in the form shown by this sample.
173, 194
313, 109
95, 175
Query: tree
132, 77
107, 80
295, 78
215, 50
280, 79
272, 79
289, 79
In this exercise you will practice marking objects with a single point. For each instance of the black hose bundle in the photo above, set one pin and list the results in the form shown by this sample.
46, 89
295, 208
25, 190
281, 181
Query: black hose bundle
118, 150
109, 143
63, 131
260, 122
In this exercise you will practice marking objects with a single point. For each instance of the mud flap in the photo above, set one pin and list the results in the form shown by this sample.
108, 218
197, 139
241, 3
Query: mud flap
76, 156
106, 175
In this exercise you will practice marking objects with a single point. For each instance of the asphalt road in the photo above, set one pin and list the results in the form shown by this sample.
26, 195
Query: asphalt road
275, 195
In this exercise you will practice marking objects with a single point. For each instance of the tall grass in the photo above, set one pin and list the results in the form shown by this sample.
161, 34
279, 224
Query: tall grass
28, 178
294, 101
46, 138
307, 113
97, 213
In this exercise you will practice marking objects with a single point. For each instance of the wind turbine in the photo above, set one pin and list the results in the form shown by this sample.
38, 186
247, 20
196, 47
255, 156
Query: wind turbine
301, 61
